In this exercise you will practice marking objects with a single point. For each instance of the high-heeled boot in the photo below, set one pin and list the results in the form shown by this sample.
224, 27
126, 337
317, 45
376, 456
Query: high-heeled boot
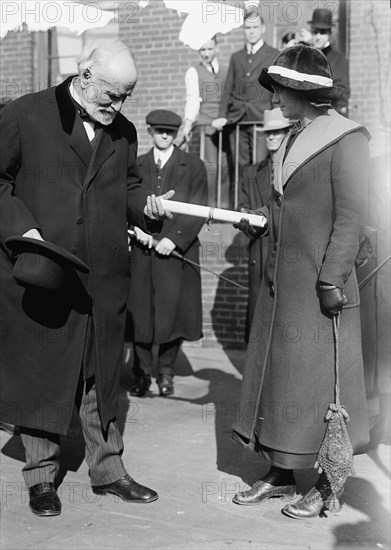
318, 499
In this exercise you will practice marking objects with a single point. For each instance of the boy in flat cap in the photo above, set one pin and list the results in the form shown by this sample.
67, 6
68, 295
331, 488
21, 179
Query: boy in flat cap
165, 294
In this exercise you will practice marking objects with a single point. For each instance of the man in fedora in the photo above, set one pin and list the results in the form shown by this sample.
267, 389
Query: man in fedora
321, 28
165, 293
255, 192
69, 187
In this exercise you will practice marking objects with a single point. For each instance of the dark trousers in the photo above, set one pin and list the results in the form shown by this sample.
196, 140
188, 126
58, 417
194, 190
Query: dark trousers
143, 358
103, 448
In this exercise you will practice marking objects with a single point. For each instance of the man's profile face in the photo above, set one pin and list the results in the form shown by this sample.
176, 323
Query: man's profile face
320, 37
208, 51
253, 29
104, 95
162, 138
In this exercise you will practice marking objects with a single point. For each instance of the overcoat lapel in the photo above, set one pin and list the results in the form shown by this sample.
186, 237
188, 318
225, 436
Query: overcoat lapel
176, 170
103, 149
321, 133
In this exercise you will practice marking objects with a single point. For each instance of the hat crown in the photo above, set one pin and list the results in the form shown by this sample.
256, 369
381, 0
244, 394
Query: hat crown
322, 18
163, 118
304, 60
273, 119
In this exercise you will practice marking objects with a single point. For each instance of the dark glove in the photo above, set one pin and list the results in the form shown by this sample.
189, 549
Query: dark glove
332, 298
245, 226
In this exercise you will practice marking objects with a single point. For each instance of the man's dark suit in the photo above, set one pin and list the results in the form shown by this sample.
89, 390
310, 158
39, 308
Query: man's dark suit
245, 100
340, 75
81, 199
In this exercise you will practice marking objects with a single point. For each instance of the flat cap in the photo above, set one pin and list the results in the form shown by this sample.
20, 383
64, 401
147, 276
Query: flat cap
163, 118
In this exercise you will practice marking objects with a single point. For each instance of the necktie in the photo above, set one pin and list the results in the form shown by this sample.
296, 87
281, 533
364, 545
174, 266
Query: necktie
159, 165
212, 69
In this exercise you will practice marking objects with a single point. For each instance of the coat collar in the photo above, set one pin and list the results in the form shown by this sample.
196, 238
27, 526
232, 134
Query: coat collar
79, 142
321, 133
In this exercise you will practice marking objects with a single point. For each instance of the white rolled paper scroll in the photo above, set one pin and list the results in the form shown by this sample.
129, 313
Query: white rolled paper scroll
210, 213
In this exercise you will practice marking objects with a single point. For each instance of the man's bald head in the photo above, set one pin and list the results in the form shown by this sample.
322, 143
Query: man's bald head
107, 76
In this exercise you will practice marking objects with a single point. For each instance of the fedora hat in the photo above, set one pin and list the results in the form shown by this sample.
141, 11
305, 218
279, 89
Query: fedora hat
41, 264
273, 119
321, 19
303, 69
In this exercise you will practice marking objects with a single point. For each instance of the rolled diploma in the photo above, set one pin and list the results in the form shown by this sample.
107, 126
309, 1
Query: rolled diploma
210, 213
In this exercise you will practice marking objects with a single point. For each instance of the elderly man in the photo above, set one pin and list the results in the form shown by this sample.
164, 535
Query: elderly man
69, 185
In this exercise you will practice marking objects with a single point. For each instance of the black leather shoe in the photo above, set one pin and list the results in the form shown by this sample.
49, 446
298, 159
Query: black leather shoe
311, 505
44, 501
127, 489
141, 385
261, 491
166, 385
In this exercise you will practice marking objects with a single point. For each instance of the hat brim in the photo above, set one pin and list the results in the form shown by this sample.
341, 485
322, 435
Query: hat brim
164, 126
319, 25
20, 245
268, 81
275, 126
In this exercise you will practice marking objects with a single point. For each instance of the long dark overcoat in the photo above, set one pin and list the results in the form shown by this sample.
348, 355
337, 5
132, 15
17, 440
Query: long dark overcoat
49, 180
255, 190
314, 230
165, 293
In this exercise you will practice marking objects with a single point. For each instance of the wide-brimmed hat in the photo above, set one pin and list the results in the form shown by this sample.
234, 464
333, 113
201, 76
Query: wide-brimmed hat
41, 264
304, 69
321, 19
162, 118
273, 119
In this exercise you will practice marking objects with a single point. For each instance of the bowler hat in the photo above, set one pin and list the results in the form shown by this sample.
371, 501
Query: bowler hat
42, 264
163, 119
273, 119
321, 19
304, 69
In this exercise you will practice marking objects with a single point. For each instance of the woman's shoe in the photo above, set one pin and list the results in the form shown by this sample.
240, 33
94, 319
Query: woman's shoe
261, 491
311, 505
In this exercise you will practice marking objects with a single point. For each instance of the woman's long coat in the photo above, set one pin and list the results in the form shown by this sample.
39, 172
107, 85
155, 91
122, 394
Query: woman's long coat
83, 203
165, 292
315, 218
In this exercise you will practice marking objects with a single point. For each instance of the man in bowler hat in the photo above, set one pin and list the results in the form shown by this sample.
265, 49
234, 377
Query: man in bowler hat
321, 28
69, 180
165, 293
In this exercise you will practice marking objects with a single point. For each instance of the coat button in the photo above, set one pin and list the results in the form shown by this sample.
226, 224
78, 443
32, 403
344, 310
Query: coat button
73, 250
253, 262
179, 232
275, 248
279, 201
79, 221
248, 74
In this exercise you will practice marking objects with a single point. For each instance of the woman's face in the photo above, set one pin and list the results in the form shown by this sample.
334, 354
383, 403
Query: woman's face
290, 102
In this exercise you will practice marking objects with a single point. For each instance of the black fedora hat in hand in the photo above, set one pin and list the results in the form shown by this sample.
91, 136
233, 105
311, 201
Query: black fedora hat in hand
41, 264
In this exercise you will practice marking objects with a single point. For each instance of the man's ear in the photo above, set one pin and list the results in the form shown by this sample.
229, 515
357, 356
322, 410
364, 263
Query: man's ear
149, 130
86, 75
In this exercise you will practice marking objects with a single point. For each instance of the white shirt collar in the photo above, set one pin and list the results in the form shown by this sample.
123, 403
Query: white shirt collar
214, 63
163, 155
253, 48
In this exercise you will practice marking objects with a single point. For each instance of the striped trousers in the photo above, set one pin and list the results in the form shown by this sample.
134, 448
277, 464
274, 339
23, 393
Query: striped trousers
103, 448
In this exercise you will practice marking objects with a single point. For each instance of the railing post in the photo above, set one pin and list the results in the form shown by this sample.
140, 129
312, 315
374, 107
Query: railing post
236, 190
219, 168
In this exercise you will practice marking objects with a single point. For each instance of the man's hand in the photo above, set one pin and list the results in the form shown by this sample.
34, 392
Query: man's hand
154, 209
165, 247
143, 238
245, 226
219, 123
332, 298
33, 234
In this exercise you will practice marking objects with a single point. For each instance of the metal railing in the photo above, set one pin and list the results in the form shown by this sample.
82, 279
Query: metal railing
257, 126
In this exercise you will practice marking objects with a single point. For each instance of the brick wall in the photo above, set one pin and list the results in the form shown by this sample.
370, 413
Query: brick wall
17, 64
